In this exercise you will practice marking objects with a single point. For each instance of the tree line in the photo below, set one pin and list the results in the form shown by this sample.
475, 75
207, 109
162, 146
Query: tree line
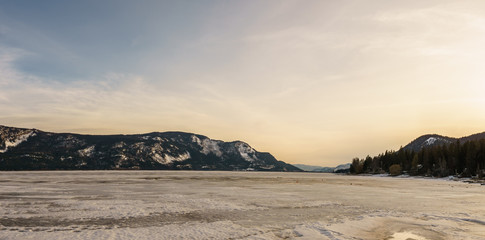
459, 159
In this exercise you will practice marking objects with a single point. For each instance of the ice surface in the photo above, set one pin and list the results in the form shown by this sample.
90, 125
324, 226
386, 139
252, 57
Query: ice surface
406, 235
235, 205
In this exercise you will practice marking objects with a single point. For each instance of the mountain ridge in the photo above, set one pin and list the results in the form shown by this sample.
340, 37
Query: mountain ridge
33, 149
342, 168
430, 155
429, 140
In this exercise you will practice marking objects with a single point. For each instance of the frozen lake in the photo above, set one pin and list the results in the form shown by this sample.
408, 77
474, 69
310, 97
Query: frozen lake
235, 205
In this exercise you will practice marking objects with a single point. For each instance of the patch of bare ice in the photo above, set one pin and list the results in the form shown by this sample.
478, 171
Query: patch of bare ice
192, 230
406, 236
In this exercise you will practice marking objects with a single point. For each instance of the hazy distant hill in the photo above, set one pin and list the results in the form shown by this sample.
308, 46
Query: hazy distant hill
324, 169
305, 167
473, 137
339, 169
32, 149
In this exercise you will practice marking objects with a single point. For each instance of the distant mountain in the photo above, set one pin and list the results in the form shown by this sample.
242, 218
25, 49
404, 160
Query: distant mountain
339, 169
473, 137
305, 167
324, 169
343, 168
430, 140
32, 149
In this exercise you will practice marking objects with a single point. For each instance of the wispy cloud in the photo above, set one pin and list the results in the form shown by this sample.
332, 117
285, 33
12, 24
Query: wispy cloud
109, 96
287, 76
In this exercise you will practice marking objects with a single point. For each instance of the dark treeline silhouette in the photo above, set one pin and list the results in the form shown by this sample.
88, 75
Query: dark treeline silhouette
459, 159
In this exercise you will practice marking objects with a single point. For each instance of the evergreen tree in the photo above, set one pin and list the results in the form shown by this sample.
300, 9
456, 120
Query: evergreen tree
465, 159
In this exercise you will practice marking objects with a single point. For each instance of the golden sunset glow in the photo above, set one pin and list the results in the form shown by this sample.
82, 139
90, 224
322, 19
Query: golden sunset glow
314, 82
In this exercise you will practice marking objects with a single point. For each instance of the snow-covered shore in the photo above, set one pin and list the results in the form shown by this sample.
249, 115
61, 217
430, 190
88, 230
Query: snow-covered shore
236, 205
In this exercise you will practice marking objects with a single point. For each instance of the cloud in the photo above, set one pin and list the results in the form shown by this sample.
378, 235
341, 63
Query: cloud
7, 57
103, 99
442, 30
288, 76
117, 102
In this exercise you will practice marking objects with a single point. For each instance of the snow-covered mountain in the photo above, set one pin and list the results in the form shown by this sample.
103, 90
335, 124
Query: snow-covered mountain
34, 149
430, 140
427, 141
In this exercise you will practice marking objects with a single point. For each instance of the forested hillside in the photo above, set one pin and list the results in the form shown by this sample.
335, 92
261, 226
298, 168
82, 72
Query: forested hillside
32, 149
459, 158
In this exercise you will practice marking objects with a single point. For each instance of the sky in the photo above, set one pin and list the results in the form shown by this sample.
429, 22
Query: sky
311, 82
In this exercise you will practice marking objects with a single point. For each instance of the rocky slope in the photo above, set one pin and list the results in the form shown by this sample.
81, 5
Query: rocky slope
32, 149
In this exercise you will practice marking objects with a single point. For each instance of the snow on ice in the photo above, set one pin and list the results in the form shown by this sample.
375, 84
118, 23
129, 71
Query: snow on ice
236, 205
